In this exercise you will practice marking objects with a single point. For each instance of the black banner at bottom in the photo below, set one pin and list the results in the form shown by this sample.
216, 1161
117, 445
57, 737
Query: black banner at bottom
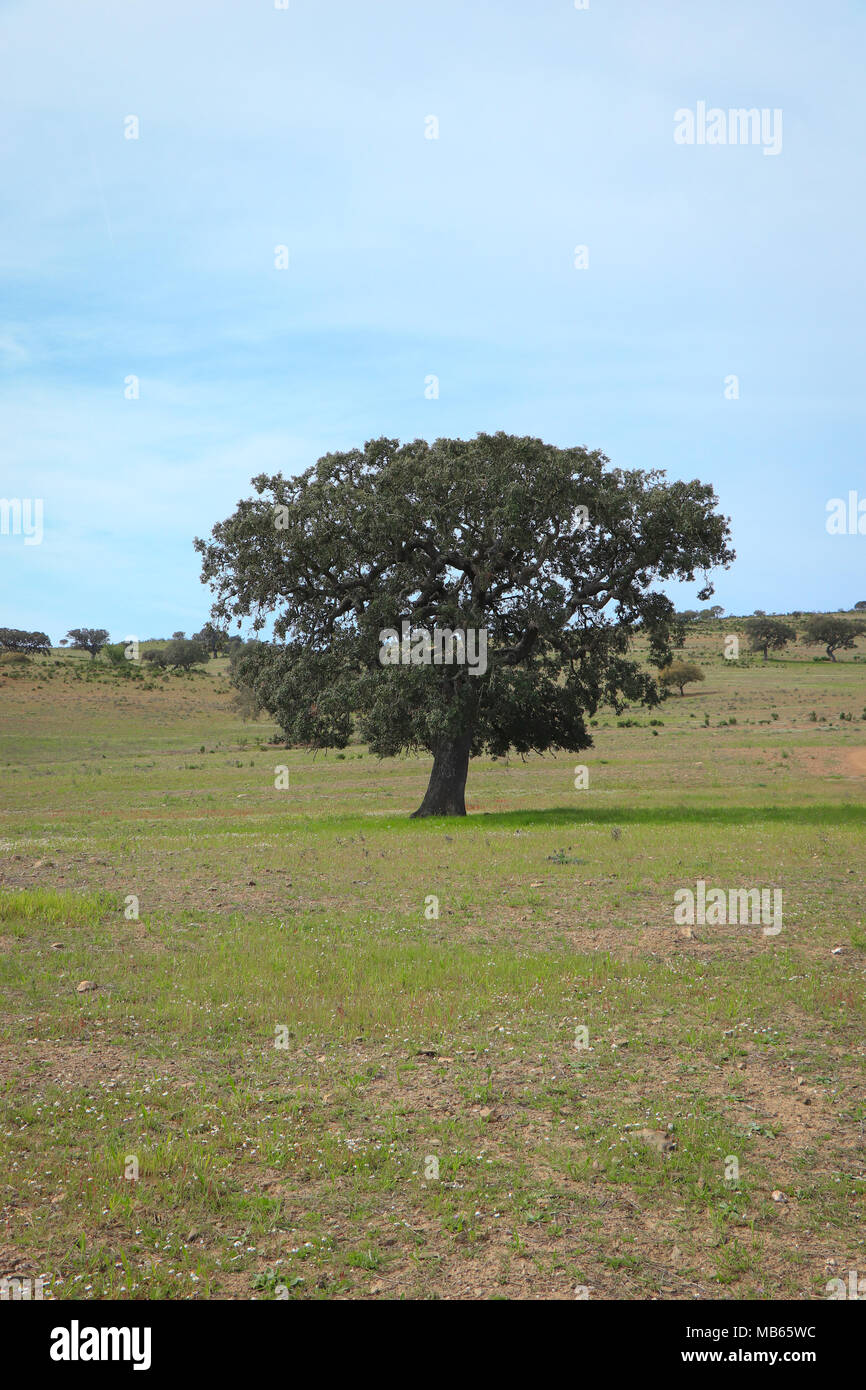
62, 1339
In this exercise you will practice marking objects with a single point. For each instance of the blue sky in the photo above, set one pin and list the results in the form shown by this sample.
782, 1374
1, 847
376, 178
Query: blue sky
410, 257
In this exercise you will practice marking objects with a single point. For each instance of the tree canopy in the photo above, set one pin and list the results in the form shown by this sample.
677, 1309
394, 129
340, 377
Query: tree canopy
551, 553
16, 639
834, 634
213, 639
681, 674
184, 652
88, 639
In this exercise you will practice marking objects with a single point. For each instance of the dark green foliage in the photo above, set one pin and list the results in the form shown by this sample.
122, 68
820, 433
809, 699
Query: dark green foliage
834, 634
184, 652
769, 633
88, 639
472, 534
213, 639
15, 639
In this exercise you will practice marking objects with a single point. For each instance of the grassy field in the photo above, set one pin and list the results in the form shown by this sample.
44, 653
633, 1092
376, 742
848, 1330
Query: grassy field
337, 1046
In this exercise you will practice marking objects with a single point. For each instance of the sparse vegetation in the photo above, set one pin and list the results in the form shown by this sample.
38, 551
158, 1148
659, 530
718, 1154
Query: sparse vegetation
407, 1037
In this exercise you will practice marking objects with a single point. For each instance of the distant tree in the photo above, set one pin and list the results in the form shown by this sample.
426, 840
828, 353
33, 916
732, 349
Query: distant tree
88, 639
717, 610
689, 615
15, 639
680, 674
769, 633
178, 636
156, 656
859, 607
115, 653
213, 639
759, 613
183, 652
834, 634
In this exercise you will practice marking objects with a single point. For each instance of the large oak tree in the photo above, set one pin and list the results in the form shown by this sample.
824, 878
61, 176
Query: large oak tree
552, 551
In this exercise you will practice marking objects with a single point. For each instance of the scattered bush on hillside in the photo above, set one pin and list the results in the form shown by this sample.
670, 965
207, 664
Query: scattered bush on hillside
182, 653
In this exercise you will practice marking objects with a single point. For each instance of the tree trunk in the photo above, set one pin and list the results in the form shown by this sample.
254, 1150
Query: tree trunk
444, 794
830, 654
